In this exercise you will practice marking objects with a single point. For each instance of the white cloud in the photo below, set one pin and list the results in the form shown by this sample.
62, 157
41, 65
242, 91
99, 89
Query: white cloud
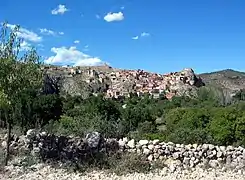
144, 34
61, 9
110, 17
86, 48
47, 31
25, 46
135, 37
26, 34
40, 47
97, 16
72, 56
50, 32
122, 7
77, 42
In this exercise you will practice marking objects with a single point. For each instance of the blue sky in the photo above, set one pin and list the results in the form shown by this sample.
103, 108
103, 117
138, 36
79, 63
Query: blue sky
154, 35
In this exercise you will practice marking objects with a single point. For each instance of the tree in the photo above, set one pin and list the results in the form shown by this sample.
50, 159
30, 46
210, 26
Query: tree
46, 108
18, 72
222, 126
187, 125
240, 130
239, 96
4, 107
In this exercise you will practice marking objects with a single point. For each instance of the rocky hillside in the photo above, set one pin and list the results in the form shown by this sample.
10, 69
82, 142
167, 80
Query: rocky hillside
120, 83
228, 79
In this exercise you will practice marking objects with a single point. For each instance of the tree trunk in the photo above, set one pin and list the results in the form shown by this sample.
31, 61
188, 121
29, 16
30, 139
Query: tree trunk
8, 143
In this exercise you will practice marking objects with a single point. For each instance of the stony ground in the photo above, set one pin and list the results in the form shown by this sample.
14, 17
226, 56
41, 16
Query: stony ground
44, 172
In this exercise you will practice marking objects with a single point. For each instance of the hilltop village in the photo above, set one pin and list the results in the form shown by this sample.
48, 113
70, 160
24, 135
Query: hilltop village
120, 83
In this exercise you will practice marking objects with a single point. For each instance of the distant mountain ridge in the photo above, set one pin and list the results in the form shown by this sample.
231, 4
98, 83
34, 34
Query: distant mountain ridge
227, 79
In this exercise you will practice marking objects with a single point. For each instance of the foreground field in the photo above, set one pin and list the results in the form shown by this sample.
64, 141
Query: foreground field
44, 172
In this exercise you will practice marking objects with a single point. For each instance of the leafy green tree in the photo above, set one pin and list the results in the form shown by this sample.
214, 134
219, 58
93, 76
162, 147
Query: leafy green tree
240, 130
223, 125
46, 108
135, 114
187, 125
4, 107
17, 72
95, 114
69, 102
188, 136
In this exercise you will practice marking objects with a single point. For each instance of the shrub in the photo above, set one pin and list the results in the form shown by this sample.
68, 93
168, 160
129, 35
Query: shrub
153, 136
188, 136
128, 163
82, 125
222, 125
187, 125
240, 130
190, 118
146, 127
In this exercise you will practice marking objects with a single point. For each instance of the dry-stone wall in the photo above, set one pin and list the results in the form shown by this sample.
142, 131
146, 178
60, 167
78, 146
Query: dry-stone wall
192, 155
49, 146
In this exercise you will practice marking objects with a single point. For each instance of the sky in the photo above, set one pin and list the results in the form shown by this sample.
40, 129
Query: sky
154, 35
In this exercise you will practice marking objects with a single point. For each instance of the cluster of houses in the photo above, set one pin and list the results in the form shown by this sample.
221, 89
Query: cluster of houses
145, 82
121, 83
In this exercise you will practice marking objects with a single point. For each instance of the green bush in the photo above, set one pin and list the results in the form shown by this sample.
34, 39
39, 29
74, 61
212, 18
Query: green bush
222, 125
153, 136
240, 130
187, 125
146, 127
188, 136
